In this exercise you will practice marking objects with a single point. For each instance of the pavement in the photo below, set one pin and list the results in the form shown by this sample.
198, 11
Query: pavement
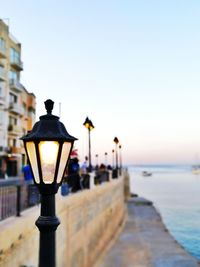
145, 242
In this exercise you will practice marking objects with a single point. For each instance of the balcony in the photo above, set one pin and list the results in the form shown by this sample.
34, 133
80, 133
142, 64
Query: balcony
16, 85
3, 75
16, 64
16, 108
14, 129
16, 150
2, 52
2, 100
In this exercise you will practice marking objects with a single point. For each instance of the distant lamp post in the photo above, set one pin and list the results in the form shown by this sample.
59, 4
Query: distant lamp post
89, 125
120, 159
97, 160
48, 146
106, 159
116, 141
113, 156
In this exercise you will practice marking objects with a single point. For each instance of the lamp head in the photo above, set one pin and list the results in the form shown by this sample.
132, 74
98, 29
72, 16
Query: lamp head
48, 146
116, 140
88, 124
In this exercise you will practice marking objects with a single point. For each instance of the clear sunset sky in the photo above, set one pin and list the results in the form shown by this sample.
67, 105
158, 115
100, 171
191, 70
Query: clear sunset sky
132, 66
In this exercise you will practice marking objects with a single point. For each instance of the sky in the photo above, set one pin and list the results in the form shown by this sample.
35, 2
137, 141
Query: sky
131, 66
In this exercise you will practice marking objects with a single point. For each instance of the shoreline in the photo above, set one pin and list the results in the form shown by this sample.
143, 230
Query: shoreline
145, 241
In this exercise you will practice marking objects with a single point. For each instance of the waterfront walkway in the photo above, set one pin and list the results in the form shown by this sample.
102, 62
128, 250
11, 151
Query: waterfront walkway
145, 242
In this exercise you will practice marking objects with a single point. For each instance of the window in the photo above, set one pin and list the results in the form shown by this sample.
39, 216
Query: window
12, 98
12, 120
31, 111
14, 142
24, 106
2, 71
14, 55
13, 75
11, 142
24, 109
1, 89
1, 116
2, 44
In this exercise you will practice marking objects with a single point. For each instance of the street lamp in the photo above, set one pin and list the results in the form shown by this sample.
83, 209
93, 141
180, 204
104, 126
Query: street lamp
106, 160
120, 159
97, 162
48, 146
116, 141
113, 151
89, 125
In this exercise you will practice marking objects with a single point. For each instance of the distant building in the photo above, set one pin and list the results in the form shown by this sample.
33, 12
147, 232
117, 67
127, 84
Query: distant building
17, 105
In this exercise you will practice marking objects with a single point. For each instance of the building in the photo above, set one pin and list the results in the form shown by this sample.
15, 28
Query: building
17, 105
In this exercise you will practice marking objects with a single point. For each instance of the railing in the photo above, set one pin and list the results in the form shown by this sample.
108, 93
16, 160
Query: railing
2, 100
16, 108
16, 150
15, 196
2, 74
75, 182
17, 62
15, 84
14, 128
2, 50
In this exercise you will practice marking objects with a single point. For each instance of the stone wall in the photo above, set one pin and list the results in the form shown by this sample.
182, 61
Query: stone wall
89, 221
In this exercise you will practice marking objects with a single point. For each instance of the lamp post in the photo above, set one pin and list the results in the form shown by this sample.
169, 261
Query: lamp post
120, 159
106, 159
48, 146
97, 161
116, 141
89, 125
113, 151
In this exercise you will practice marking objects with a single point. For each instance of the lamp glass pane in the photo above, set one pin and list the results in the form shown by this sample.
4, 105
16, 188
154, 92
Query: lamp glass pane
48, 155
63, 160
87, 125
30, 146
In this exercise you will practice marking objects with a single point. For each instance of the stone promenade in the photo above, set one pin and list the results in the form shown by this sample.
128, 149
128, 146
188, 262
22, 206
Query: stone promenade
145, 242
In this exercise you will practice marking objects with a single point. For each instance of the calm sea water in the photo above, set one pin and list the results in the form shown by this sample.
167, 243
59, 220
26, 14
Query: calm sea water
175, 192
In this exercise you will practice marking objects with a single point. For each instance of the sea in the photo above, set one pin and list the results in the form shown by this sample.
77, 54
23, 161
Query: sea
175, 192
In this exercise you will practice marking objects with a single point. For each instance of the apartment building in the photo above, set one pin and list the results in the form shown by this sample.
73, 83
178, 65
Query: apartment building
17, 105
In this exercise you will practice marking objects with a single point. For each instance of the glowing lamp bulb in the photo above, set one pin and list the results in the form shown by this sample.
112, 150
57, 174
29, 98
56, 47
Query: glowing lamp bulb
48, 156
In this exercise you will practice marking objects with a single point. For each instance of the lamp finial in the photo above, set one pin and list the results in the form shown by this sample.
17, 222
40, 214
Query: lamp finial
49, 106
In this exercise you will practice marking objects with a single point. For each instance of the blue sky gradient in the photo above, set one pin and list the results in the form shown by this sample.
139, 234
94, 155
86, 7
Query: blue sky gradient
131, 66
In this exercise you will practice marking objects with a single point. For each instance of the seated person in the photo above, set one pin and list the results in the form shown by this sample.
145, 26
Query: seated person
102, 175
28, 176
73, 178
